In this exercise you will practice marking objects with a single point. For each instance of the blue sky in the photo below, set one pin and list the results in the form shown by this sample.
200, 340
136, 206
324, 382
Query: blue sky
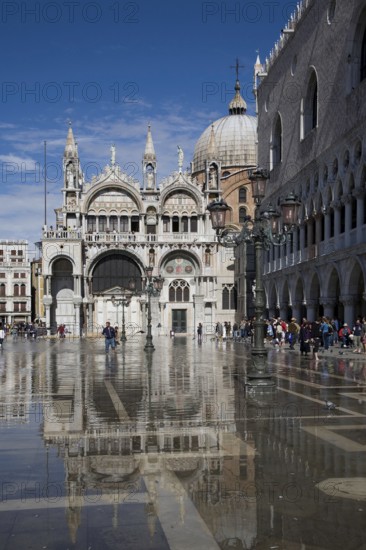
111, 68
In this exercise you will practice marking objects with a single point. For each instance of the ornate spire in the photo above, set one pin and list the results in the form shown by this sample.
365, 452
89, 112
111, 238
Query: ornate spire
211, 148
149, 148
70, 148
258, 68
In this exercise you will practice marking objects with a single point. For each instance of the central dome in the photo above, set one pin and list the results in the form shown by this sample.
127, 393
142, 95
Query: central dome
235, 137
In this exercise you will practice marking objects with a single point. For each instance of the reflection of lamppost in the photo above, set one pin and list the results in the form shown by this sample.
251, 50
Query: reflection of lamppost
153, 287
263, 231
124, 300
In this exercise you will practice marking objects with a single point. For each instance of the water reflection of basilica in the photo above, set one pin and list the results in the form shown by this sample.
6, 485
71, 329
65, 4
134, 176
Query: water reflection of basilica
171, 447
164, 437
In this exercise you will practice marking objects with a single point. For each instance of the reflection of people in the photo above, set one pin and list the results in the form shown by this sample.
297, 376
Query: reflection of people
109, 335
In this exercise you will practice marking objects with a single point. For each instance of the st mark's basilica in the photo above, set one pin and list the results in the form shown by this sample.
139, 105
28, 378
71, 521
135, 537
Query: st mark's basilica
109, 229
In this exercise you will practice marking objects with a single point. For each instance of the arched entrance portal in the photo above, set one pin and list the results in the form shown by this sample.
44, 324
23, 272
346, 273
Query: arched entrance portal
115, 270
62, 290
111, 276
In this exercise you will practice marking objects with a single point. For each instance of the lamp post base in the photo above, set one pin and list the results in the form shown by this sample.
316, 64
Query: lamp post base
123, 337
149, 346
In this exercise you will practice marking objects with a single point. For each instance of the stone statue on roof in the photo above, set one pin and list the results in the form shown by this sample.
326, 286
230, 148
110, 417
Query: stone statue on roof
180, 157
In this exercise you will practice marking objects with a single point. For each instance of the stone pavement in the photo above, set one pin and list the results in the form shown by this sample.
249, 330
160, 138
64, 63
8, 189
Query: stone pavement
169, 451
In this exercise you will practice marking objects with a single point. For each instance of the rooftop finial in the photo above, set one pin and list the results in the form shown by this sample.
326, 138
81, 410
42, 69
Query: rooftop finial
237, 106
237, 66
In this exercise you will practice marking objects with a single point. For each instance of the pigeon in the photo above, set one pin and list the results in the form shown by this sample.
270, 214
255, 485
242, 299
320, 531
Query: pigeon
330, 405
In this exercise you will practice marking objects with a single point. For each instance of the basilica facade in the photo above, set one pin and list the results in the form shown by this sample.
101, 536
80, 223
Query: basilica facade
311, 131
109, 229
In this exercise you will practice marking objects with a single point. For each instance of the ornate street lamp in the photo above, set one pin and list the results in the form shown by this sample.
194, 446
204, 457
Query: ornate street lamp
153, 287
124, 301
263, 231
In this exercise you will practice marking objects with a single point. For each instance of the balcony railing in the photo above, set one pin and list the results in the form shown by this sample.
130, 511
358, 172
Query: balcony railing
127, 237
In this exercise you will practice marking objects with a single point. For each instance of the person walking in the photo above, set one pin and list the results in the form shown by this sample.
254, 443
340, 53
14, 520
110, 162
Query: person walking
2, 335
199, 333
357, 333
293, 332
305, 338
109, 335
324, 329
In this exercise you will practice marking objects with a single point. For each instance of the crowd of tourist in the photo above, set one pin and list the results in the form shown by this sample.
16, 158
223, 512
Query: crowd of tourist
24, 330
308, 337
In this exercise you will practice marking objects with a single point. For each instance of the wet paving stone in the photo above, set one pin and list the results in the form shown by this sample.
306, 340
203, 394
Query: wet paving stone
171, 449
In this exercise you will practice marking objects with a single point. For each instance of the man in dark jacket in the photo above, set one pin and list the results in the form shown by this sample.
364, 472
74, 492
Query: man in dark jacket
109, 334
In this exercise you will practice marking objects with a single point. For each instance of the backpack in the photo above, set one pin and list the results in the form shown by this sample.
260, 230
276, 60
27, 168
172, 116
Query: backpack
330, 329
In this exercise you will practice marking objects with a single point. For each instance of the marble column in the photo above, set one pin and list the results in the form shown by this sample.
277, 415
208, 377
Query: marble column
296, 310
329, 306
349, 302
327, 225
348, 219
90, 318
312, 310
283, 311
302, 241
359, 193
337, 218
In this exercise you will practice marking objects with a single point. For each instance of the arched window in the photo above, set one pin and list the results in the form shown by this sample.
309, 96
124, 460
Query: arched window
151, 257
22, 290
184, 224
166, 224
91, 224
353, 212
2, 289
343, 218
135, 224
102, 224
124, 224
229, 297
113, 223
243, 194
277, 142
194, 224
179, 291
363, 58
242, 214
16, 290
310, 105
207, 257
175, 224
331, 216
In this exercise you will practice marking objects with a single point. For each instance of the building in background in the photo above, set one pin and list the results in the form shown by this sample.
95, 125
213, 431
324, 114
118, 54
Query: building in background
311, 132
109, 229
15, 282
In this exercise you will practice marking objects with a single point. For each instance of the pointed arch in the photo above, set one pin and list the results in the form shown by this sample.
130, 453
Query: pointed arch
310, 104
276, 142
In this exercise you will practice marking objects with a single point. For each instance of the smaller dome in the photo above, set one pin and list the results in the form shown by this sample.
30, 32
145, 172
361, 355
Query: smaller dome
231, 139
235, 138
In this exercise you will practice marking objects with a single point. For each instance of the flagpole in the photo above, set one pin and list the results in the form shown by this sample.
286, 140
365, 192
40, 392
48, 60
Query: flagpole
45, 183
